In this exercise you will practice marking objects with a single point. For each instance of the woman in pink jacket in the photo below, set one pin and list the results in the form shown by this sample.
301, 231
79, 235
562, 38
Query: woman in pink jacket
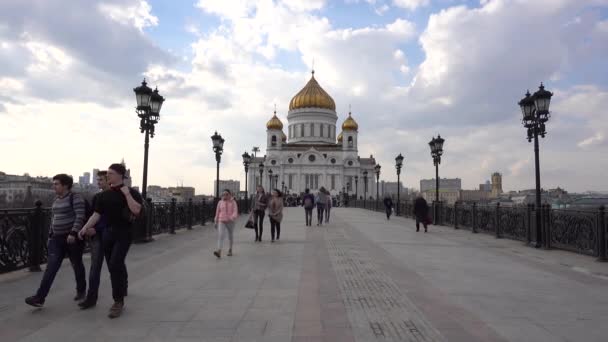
225, 215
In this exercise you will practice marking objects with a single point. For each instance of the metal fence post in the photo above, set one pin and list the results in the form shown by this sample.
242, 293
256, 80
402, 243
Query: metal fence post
497, 222
149, 219
456, 215
529, 208
190, 213
546, 224
172, 216
474, 218
601, 229
35, 239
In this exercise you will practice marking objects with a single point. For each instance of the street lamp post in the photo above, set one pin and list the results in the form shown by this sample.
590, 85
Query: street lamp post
357, 187
377, 172
246, 162
436, 145
535, 110
218, 148
283, 186
261, 166
365, 188
398, 165
149, 103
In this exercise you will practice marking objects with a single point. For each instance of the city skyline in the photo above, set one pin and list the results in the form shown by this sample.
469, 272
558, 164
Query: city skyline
408, 69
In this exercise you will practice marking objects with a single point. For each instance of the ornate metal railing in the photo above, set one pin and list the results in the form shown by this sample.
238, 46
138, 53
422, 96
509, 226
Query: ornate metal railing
579, 231
23, 232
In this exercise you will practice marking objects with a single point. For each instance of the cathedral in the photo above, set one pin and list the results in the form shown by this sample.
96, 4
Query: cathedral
307, 153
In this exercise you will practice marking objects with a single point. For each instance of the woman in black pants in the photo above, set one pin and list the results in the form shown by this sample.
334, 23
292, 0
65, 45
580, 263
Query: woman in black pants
259, 209
275, 214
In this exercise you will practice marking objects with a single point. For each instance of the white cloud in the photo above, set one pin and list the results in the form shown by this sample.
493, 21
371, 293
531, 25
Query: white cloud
596, 139
138, 14
411, 4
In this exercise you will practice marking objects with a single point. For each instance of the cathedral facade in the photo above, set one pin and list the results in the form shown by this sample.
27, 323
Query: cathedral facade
307, 153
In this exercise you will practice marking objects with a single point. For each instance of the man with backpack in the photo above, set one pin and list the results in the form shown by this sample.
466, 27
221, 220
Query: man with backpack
68, 214
308, 202
121, 206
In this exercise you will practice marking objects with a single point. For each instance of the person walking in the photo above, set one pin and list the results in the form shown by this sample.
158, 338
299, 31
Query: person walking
225, 214
121, 206
321, 201
308, 202
68, 214
388, 206
275, 214
328, 206
260, 204
421, 211
95, 238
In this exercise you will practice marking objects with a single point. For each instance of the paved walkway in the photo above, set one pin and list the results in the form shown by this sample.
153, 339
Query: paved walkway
359, 278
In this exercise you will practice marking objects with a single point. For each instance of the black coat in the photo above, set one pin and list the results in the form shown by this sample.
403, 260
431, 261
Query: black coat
388, 203
421, 208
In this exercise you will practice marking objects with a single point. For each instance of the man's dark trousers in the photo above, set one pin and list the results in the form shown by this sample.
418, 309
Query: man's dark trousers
97, 254
116, 244
58, 248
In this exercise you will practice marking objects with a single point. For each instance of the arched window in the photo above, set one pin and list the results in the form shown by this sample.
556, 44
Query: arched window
312, 130
301, 130
350, 141
273, 140
322, 130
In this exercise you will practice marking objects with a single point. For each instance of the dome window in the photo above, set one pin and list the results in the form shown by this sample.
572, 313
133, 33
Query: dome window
273, 140
350, 141
311, 158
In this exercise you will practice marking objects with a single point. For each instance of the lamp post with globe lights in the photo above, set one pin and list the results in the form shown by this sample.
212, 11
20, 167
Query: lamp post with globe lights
398, 165
535, 110
149, 103
246, 162
436, 145
377, 172
218, 148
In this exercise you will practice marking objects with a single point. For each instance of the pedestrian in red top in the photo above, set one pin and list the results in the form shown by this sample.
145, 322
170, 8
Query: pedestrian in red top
225, 215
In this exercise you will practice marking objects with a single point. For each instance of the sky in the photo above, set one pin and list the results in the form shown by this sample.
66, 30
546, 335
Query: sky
409, 69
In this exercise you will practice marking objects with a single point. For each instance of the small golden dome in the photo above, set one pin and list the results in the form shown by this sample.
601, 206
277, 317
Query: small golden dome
312, 96
340, 137
283, 137
274, 123
350, 124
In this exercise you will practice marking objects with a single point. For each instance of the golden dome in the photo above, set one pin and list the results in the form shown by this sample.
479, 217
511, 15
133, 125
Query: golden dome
350, 124
283, 137
312, 95
340, 137
274, 123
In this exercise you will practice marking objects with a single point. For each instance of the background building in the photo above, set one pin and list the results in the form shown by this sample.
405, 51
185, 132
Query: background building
233, 185
496, 185
24, 191
390, 189
161, 194
85, 179
312, 152
452, 184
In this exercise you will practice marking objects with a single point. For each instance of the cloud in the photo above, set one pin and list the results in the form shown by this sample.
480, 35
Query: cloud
594, 140
411, 4
473, 72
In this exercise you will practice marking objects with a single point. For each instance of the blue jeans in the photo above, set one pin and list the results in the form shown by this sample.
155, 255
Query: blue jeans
116, 244
97, 255
58, 248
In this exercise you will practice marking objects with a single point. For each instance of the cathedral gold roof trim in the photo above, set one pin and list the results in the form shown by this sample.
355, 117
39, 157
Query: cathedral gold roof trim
312, 96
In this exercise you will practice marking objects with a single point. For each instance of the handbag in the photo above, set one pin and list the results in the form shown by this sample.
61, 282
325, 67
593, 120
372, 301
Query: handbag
249, 224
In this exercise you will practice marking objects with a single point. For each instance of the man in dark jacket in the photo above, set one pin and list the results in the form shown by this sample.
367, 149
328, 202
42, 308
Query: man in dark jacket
308, 202
421, 211
388, 206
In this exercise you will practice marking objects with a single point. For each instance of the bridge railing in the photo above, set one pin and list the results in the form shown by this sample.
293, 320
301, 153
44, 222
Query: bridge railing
579, 231
24, 232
